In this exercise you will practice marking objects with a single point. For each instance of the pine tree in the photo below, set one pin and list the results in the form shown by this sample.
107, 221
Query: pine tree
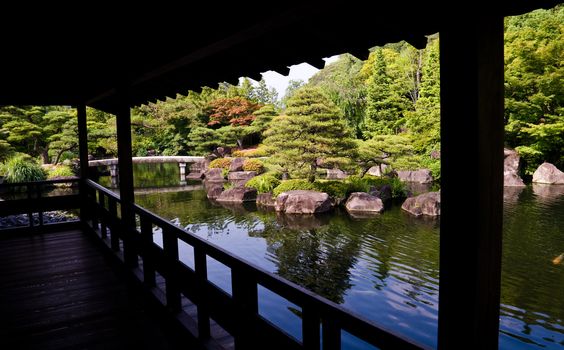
312, 130
386, 101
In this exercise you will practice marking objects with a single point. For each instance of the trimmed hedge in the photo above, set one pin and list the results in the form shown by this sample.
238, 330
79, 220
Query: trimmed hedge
253, 165
223, 163
291, 185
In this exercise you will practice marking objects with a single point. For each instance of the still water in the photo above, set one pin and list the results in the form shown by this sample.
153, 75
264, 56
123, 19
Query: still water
385, 268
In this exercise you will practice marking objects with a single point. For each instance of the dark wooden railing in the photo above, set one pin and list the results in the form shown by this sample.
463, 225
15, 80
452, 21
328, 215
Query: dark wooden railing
38, 197
322, 320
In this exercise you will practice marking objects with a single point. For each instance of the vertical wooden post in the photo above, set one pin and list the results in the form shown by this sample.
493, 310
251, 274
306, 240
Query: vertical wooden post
83, 156
123, 124
245, 297
201, 270
472, 182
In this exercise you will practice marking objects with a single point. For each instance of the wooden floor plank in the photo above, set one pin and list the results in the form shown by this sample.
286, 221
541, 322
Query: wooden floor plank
58, 292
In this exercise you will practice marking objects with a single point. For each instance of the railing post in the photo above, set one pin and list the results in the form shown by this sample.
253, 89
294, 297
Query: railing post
331, 335
170, 248
83, 156
123, 125
147, 244
310, 328
29, 188
114, 226
200, 266
245, 299
103, 219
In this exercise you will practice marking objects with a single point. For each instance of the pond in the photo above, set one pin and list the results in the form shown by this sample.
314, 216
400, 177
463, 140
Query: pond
385, 268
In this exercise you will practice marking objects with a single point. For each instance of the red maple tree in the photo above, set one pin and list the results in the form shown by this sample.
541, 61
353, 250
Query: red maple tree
234, 111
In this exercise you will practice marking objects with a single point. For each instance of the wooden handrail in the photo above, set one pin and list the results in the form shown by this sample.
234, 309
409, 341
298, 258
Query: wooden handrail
241, 308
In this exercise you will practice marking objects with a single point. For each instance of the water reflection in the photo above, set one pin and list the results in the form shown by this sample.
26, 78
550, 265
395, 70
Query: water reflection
386, 267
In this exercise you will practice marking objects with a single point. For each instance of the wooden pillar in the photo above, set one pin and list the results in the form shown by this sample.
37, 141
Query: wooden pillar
83, 158
123, 125
472, 182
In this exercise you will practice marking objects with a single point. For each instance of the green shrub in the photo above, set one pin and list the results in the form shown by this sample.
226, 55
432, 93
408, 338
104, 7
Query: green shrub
23, 169
290, 185
222, 163
274, 173
251, 153
263, 183
253, 165
364, 184
60, 171
334, 188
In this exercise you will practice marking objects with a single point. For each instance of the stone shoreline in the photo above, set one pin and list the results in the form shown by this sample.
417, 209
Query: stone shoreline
49, 217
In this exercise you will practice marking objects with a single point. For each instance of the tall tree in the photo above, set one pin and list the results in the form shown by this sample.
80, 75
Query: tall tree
534, 86
263, 95
340, 81
313, 129
386, 102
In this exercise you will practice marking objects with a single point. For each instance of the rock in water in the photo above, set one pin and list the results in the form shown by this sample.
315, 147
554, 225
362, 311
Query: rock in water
364, 202
303, 202
265, 199
547, 173
424, 204
238, 195
511, 169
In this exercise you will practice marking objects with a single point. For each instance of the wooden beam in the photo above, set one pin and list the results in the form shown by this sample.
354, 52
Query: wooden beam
83, 156
123, 125
472, 182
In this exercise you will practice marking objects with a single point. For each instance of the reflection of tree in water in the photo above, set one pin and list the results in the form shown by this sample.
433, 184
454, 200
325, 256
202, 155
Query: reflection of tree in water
403, 248
318, 259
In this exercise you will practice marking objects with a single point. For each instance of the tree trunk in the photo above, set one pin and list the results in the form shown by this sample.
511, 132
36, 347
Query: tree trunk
45, 156
312, 171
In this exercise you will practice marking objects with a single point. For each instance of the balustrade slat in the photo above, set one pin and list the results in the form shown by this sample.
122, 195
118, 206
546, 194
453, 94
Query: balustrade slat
147, 244
114, 232
245, 298
170, 248
310, 328
331, 334
201, 270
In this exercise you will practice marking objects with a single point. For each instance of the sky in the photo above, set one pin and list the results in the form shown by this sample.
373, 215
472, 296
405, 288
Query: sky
302, 71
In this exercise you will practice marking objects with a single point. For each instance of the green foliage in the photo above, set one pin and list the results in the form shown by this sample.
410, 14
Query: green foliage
334, 188
253, 165
294, 184
387, 101
223, 163
260, 151
341, 83
313, 129
534, 86
59, 171
23, 169
364, 184
203, 140
263, 183
6, 150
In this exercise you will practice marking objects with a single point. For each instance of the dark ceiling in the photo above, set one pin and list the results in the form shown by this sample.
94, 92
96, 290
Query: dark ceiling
67, 56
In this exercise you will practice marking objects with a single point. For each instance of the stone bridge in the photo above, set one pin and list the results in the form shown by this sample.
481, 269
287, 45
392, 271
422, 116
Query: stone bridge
180, 160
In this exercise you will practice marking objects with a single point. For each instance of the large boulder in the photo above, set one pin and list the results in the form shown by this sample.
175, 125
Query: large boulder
240, 178
214, 174
511, 169
336, 174
422, 176
213, 189
424, 204
384, 192
303, 202
547, 173
364, 202
238, 195
377, 170
237, 164
266, 199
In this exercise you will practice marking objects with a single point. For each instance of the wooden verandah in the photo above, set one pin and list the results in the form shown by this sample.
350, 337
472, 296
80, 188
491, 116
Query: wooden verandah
471, 133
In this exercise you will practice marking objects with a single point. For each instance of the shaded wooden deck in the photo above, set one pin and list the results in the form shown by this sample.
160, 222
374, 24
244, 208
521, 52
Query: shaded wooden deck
59, 291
